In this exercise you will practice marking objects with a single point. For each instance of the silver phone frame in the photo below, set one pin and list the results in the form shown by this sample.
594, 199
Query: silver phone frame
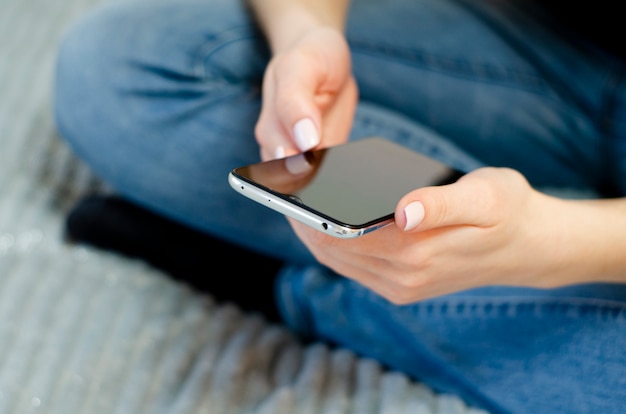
291, 209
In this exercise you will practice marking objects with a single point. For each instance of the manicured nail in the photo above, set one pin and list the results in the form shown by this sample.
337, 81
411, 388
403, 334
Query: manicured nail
414, 213
306, 134
297, 164
279, 152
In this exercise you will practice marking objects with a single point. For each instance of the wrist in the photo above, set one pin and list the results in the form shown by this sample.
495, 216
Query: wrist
587, 242
291, 27
285, 22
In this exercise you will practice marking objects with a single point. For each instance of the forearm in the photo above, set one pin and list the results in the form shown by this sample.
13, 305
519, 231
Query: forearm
591, 241
284, 21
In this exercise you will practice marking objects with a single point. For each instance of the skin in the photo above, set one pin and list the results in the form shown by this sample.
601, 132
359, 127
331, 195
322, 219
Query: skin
489, 228
309, 76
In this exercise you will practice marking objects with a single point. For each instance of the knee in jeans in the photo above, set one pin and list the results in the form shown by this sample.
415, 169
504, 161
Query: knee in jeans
85, 58
91, 43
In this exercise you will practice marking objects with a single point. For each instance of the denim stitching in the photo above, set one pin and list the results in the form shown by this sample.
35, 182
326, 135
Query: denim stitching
218, 41
514, 307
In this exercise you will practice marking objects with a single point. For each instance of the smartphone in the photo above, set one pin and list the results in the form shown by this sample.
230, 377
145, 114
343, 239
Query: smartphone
346, 190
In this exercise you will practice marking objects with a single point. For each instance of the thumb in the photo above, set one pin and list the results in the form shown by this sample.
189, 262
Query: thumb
468, 201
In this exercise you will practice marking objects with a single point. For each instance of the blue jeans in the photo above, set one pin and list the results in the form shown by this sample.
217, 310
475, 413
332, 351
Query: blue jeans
160, 98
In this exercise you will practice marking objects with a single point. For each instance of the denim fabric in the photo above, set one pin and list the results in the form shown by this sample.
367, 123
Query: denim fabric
506, 350
160, 98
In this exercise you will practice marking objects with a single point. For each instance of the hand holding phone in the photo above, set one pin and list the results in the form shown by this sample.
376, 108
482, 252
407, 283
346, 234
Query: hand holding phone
347, 190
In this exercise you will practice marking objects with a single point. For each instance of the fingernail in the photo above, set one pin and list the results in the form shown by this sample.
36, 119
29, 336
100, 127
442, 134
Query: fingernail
414, 213
297, 164
305, 134
279, 152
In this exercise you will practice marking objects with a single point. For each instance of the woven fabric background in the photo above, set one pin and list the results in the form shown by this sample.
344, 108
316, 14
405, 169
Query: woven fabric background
85, 331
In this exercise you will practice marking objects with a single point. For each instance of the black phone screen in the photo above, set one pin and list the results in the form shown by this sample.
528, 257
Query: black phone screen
354, 184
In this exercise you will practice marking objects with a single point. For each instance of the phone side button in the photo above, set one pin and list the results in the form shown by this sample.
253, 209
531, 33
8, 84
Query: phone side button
295, 198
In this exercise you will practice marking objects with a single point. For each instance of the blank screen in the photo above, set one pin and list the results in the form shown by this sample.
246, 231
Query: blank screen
353, 184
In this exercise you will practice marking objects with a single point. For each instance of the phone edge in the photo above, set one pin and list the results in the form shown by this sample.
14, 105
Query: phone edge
302, 215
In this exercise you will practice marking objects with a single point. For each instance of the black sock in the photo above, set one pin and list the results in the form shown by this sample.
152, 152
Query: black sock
226, 271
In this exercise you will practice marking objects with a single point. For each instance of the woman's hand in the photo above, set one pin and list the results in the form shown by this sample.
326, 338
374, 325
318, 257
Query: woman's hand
309, 95
489, 228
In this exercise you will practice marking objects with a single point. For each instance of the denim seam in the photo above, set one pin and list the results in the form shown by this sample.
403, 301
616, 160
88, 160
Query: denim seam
571, 307
216, 43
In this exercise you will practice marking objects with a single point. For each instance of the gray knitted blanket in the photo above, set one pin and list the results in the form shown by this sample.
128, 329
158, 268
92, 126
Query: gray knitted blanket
85, 331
